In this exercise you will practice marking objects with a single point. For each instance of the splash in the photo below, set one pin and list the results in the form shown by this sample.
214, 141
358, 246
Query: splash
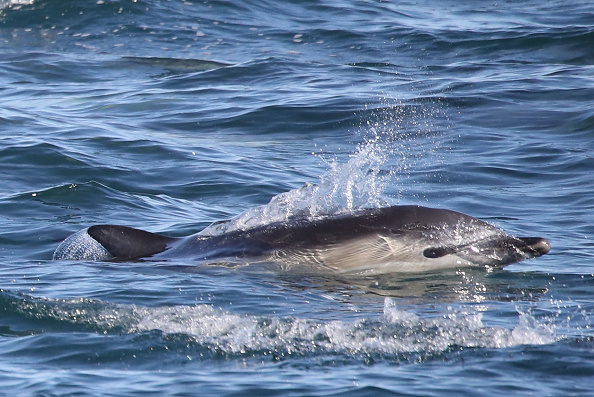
345, 187
393, 139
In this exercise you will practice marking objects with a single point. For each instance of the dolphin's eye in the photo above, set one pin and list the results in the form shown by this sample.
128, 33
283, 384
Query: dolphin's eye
436, 252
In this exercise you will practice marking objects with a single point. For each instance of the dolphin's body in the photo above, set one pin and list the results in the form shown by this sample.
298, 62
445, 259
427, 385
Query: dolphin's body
381, 240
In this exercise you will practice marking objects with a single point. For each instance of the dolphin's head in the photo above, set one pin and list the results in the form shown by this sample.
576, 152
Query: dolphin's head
417, 239
451, 239
495, 251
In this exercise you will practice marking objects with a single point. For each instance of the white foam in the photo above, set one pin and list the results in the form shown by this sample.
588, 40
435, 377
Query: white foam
467, 329
14, 3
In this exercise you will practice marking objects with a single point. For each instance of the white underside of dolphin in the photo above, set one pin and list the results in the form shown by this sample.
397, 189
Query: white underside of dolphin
381, 240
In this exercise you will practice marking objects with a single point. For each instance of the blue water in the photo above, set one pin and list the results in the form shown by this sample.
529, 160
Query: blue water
170, 115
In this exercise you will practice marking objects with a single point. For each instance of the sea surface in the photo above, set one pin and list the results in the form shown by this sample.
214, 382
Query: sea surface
171, 115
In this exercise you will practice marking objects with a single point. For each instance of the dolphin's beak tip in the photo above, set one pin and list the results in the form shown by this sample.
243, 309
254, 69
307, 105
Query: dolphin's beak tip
544, 246
538, 246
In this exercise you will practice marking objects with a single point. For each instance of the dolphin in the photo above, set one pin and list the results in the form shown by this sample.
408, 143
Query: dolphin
372, 241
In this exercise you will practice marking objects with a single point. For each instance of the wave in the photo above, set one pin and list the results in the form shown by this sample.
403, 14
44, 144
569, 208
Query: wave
395, 333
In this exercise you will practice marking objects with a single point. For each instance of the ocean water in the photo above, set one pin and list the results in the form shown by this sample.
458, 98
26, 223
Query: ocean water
170, 115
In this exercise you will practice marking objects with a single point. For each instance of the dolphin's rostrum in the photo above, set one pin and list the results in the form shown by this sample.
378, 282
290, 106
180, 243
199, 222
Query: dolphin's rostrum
380, 240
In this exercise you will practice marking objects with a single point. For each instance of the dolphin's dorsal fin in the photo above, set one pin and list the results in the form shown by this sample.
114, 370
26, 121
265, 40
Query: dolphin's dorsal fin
126, 243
